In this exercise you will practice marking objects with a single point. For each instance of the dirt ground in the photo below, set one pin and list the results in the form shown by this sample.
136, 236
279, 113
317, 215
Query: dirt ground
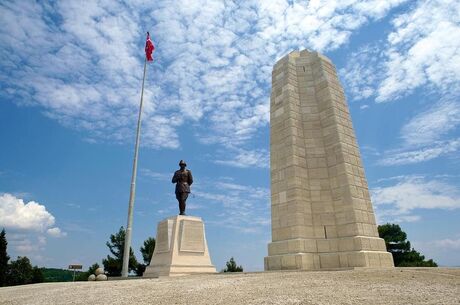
364, 286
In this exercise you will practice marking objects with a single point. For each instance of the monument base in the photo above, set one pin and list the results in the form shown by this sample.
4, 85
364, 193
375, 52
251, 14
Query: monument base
323, 254
181, 248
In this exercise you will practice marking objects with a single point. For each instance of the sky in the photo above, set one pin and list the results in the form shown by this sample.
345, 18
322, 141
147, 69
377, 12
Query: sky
69, 95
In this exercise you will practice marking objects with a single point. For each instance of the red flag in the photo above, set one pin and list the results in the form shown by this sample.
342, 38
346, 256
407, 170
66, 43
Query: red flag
149, 48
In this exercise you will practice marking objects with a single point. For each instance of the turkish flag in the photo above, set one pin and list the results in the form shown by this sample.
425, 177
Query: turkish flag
149, 48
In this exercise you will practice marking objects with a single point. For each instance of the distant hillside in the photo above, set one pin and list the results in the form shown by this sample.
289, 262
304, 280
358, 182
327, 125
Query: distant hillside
61, 275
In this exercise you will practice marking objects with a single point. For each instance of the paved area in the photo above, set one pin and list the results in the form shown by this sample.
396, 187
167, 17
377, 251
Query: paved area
365, 286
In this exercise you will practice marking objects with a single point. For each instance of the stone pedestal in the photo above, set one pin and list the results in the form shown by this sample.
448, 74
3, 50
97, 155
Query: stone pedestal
322, 215
180, 249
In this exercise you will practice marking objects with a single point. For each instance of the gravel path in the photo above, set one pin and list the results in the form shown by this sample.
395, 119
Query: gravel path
364, 286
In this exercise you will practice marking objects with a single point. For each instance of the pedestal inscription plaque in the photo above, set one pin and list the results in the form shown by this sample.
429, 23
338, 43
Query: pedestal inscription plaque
192, 236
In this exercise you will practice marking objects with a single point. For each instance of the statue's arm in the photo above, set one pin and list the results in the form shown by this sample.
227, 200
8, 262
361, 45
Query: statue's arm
190, 177
174, 178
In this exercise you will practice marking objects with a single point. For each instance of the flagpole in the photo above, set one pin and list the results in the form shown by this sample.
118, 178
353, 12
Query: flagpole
126, 252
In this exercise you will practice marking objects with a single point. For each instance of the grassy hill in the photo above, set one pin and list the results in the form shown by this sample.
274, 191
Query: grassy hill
61, 275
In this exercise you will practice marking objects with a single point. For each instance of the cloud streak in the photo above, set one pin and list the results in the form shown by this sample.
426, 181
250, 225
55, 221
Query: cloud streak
244, 208
422, 50
428, 135
399, 201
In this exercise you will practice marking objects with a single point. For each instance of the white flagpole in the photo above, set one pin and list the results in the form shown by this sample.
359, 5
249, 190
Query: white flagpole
129, 227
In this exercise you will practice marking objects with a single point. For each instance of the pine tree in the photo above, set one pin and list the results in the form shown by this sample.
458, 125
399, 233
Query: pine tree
37, 275
20, 271
147, 252
147, 249
113, 265
398, 245
4, 258
232, 267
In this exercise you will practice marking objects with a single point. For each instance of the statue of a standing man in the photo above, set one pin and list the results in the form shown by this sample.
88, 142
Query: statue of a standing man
183, 179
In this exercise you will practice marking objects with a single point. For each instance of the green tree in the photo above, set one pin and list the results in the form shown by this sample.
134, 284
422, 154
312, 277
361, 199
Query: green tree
140, 269
92, 269
37, 275
147, 249
232, 267
398, 245
20, 271
147, 252
4, 258
113, 265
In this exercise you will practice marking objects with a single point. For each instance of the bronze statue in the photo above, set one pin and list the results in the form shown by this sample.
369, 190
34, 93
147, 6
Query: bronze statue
183, 179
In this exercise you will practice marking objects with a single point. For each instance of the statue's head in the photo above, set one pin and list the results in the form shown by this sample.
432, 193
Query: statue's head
182, 164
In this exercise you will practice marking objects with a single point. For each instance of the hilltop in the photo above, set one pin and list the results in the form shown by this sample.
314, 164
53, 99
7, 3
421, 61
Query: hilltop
361, 286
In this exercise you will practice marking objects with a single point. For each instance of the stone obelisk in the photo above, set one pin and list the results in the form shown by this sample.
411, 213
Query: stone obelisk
322, 215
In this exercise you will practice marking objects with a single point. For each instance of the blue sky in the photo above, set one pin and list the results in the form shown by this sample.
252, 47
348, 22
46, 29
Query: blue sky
70, 83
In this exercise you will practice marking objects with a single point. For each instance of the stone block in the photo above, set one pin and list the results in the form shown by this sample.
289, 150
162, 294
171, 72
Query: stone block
323, 245
273, 262
296, 246
357, 259
346, 244
310, 245
288, 262
329, 260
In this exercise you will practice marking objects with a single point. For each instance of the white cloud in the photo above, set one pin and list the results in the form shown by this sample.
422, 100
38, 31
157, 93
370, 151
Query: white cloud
73, 205
432, 124
241, 207
26, 246
416, 155
397, 202
27, 225
248, 158
448, 243
82, 63
56, 232
428, 135
423, 49
29, 245
360, 75
16, 214
155, 175
443, 250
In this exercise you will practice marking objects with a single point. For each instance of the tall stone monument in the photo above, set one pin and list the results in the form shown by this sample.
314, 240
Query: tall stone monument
322, 216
